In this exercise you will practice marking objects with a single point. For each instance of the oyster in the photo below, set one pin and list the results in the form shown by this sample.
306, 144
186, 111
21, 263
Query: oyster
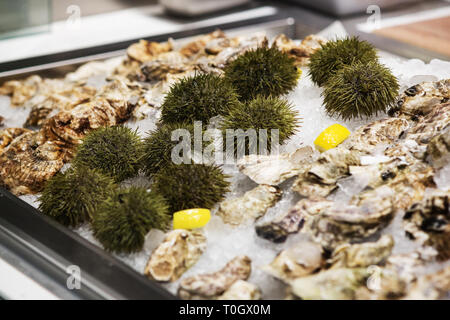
241, 290
293, 220
8, 135
438, 149
274, 169
428, 221
343, 223
363, 254
321, 178
297, 261
333, 284
209, 286
1, 121
198, 45
251, 206
58, 100
178, 252
144, 50
28, 162
300, 52
382, 284
421, 99
370, 137
432, 286
21, 90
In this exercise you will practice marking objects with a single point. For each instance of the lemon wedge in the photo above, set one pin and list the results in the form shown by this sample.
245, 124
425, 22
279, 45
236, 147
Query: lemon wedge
191, 218
331, 137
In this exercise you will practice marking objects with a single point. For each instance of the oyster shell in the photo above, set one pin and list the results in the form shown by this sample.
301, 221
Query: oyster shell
210, 286
293, 220
432, 286
144, 50
241, 290
1, 121
8, 135
321, 178
333, 284
251, 206
428, 221
363, 254
297, 261
198, 45
300, 52
274, 169
21, 90
178, 252
421, 98
28, 162
438, 149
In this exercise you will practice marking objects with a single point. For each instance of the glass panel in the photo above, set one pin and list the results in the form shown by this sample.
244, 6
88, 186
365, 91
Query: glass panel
24, 17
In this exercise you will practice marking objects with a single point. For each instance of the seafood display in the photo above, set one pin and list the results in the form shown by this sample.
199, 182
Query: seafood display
365, 217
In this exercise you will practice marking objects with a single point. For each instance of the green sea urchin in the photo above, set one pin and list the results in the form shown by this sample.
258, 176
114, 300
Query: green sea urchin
121, 222
263, 71
187, 186
334, 55
72, 196
200, 98
115, 151
158, 146
360, 90
267, 113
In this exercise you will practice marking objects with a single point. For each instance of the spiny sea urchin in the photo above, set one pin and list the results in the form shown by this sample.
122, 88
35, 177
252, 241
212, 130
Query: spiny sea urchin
158, 146
263, 71
262, 113
72, 196
360, 90
115, 151
187, 186
121, 222
334, 55
200, 97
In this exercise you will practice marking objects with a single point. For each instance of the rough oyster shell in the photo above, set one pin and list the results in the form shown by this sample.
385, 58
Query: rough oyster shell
438, 149
178, 252
241, 290
251, 206
362, 255
421, 98
21, 90
144, 50
432, 286
321, 178
8, 135
209, 286
428, 221
334, 284
300, 52
274, 169
293, 220
297, 261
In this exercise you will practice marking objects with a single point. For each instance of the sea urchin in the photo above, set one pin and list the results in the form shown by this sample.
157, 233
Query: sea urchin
263, 71
334, 55
114, 151
360, 90
187, 186
71, 197
121, 222
200, 98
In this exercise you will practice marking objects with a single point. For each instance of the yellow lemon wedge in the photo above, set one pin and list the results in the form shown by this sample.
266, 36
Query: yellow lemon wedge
331, 137
299, 73
191, 218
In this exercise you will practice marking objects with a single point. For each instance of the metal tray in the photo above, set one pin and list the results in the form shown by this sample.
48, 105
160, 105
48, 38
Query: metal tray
50, 248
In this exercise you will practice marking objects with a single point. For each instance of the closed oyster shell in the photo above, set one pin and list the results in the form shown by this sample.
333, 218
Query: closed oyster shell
178, 252
297, 261
21, 90
241, 290
251, 206
274, 169
8, 135
428, 221
362, 254
293, 220
300, 52
333, 284
438, 149
421, 98
210, 286
432, 286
